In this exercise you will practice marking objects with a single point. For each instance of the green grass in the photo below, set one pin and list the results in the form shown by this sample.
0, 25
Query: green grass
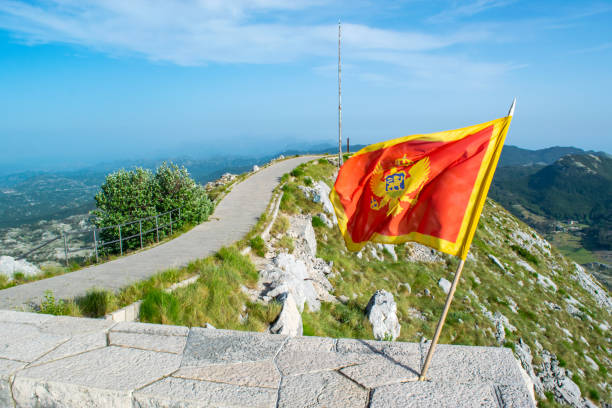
317, 222
258, 245
216, 297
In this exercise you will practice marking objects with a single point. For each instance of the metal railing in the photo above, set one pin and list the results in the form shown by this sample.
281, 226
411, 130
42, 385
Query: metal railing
98, 243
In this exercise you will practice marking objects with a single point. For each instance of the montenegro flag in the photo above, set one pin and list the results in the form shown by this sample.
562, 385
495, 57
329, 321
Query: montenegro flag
426, 188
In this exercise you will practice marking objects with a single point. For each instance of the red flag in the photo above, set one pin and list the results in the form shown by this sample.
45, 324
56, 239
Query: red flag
424, 188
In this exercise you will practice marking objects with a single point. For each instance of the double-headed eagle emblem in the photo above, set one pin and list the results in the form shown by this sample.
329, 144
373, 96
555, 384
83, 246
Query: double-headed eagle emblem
399, 184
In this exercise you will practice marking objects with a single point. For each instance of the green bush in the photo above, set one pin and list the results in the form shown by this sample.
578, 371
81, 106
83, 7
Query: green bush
50, 305
129, 195
297, 172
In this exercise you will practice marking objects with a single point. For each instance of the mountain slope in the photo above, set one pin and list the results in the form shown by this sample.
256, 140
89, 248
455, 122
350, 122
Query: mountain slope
516, 291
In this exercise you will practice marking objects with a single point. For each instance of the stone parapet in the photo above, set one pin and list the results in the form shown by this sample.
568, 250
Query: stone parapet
53, 361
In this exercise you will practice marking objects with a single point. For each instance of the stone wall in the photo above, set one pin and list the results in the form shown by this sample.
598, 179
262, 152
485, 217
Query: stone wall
50, 361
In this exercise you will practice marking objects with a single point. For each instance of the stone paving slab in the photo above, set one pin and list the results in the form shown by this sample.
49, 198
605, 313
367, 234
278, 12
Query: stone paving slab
180, 392
253, 374
152, 342
234, 216
210, 346
419, 394
328, 389
464, 364
59, 362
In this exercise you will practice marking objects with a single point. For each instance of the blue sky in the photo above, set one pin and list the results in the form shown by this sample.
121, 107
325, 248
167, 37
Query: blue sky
84, 81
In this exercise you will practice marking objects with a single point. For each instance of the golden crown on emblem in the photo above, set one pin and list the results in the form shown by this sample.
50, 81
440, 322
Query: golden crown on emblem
404, 161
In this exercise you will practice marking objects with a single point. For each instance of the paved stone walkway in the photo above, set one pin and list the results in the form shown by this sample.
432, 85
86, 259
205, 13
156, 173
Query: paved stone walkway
59, 361
235, 215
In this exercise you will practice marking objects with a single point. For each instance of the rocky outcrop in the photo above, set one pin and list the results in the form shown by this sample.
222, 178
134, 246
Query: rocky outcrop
558, 380
589, 284
523, 353
382, 314
287, 274
319, 193
416, 252
9, 266
226, 178
300, 273
289, 321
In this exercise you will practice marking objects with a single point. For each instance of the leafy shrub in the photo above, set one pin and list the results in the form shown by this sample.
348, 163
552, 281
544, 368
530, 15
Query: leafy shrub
297, 172
258, 245
130, 195
50, 305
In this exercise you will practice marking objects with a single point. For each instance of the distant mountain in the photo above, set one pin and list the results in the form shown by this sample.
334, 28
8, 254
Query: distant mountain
575, 187
517, 156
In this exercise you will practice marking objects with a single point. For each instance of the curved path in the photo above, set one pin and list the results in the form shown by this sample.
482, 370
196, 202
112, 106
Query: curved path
233, 218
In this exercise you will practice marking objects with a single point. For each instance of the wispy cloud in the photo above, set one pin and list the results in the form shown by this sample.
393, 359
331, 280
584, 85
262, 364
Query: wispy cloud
468, 10
198, 32
596, 48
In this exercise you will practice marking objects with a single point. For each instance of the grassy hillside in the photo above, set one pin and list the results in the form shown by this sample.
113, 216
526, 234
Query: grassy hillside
533, 291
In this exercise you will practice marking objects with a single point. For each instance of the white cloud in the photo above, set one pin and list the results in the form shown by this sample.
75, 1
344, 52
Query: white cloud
198, 32
468, 9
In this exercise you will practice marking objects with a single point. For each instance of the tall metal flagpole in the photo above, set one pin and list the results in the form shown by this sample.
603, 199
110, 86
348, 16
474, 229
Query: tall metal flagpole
339, 99
449, 299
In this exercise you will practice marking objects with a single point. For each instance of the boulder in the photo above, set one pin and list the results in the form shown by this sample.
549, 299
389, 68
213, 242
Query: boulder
255, 168
382, 314
445, 285
289, 321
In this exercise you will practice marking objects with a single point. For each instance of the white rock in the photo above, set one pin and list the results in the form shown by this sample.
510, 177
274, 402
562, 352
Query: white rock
589, 284
288, 274
391, 249
9, 266
497, 262
445, 285
325, 220
255, 168
374, 254
525, 266
546, 282
523, 353
591, 362
420, 253
382, 313
289, 321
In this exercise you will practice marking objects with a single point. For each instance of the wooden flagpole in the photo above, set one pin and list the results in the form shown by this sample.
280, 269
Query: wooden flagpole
449, 299
339, 100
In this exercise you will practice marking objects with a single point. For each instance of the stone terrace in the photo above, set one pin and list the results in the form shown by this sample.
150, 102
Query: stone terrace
53, 361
